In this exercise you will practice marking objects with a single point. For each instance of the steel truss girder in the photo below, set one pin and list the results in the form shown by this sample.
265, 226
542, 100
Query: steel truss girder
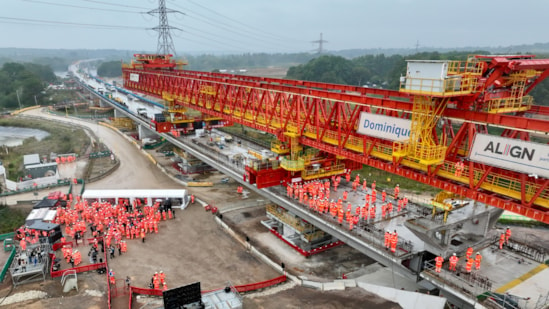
279, 106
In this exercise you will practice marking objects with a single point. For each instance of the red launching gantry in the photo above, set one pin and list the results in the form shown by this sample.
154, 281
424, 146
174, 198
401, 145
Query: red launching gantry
468, 127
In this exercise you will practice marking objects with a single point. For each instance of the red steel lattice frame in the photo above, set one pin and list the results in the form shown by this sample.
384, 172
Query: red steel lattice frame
278, 106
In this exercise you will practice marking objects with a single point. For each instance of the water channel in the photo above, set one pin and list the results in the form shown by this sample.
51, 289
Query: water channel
14, 136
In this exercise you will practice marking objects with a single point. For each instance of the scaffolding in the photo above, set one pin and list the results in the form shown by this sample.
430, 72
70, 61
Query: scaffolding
30, 265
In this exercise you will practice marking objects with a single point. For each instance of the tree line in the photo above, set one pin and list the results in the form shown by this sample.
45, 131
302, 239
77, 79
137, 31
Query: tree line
20, 83
380, 71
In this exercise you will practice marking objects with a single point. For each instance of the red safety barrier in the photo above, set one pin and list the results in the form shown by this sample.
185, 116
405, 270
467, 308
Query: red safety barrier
130, 298
144, 291
61, 244
79, 269
260, 285
239, 288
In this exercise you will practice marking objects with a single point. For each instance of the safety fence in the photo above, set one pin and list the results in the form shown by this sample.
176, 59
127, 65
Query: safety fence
471, 283
78, 269
239, 288
7, 235
8, 264
260, 285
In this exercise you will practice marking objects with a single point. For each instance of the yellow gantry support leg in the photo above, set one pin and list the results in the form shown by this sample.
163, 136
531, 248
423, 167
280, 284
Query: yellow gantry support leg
421, 145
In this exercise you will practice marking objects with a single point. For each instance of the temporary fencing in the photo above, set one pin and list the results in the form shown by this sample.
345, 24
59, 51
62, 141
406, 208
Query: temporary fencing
8, 264
239, 288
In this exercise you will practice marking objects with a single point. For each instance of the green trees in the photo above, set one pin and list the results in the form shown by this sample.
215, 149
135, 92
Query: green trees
382, 71
110, 69
23, 80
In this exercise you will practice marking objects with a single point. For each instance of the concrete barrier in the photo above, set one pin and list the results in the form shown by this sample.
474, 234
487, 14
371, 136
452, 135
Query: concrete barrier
312, 284
333, 286
349, 283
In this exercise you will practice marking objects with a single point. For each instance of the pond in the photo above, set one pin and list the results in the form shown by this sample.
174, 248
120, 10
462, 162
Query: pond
14, 136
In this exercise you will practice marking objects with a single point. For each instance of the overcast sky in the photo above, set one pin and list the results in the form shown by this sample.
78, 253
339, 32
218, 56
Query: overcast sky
274, 25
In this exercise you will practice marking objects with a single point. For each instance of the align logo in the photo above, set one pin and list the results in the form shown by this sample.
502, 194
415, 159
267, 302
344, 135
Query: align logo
512, 154
509, 150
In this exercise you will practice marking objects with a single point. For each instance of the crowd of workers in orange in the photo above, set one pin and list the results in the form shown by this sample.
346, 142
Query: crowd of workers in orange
316, 194
109, 224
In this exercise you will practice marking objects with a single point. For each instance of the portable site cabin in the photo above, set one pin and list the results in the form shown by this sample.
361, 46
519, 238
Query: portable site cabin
146, 197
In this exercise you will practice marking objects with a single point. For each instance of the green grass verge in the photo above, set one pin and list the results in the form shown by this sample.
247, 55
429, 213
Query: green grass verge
386, 180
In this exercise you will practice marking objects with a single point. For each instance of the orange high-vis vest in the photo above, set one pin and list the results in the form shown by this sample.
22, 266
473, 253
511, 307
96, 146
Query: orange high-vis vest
439, 260
469, 265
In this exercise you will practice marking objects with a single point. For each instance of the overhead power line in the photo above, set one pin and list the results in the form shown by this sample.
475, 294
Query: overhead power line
81, 7
258, 38
42, 21
116, 4
249, 28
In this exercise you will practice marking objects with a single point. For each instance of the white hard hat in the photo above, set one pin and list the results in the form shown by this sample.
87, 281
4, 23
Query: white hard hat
454, 254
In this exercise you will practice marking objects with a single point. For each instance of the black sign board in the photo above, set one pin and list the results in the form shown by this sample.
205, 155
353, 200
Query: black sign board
178, 297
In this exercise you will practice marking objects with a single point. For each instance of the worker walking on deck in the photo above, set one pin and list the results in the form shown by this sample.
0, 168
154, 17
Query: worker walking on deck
478, 259
438, 263
469, 252
453, 262
394, 242
387, 239
501, 240
507, 235
469, 265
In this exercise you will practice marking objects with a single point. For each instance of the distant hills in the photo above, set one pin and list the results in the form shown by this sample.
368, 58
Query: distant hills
26, 54
535, 49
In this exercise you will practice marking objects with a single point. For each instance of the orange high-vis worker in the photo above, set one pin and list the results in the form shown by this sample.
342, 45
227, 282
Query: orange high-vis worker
394, 241
438, 263
453, 262
164, 287
469, 252
162, 277
507, 235
501, 240
192, 198
469, 265
478, 259
387, 239
373, 212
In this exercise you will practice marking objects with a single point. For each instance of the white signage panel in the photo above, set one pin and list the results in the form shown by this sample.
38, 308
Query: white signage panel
385, 127
134, 77
513, 154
